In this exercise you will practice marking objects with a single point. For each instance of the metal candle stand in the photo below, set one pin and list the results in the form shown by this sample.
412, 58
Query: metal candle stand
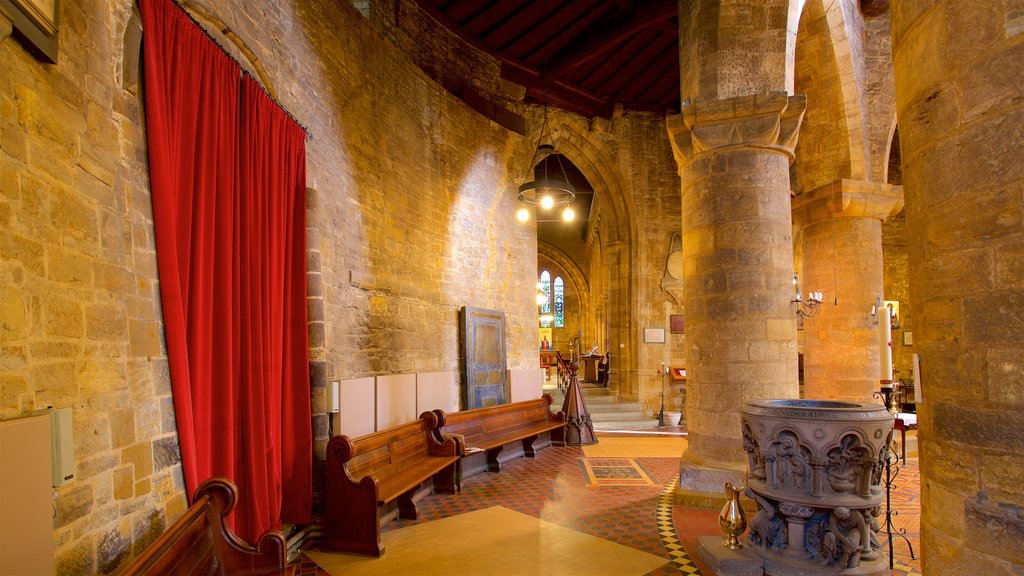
885, 392
661, 413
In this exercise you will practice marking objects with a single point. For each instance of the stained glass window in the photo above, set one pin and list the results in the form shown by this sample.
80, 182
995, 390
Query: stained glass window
559, 302
545, 289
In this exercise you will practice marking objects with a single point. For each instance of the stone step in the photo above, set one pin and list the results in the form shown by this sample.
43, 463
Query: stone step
558, 399
612, 408
638, 424
606, 412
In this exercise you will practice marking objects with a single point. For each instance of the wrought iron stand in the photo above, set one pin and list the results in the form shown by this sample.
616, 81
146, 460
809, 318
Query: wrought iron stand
892, 471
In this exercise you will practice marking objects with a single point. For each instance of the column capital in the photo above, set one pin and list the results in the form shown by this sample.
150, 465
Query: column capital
847, 199
770, 121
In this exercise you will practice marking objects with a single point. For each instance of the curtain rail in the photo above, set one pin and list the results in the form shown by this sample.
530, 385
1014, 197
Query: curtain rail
242, 69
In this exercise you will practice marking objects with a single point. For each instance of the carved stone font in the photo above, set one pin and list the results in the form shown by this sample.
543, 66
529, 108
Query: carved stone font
814, 467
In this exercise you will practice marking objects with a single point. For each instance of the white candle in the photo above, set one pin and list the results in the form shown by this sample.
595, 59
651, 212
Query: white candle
884, 345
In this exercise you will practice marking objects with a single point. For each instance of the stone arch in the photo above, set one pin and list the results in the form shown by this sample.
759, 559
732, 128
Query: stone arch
575, 273
237, 47
824, 153
845, 29
614, 215
576, 281
891, 159
225, 37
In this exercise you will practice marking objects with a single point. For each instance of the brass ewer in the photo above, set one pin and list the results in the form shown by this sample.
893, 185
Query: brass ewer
732, 519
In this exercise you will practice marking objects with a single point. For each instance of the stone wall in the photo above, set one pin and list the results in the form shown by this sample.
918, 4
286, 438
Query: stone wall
413, 204
80, 320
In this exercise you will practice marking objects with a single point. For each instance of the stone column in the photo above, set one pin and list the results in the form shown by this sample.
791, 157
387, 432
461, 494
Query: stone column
841, 240
958, 68
734, 158
621, 340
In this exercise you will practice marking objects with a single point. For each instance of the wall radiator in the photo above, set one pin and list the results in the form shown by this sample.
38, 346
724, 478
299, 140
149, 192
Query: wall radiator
26, 496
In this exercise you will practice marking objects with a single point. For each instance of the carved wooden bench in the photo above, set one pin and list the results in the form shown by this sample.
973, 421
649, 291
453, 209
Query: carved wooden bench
200, 543
497, 434
365, 474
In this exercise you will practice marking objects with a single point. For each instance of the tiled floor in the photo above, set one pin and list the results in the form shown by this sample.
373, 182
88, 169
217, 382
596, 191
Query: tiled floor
556, 487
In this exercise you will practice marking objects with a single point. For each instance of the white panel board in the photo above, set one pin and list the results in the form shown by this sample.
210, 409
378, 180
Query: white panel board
437, 390
358, 408
26, 503
527, 383
396, 400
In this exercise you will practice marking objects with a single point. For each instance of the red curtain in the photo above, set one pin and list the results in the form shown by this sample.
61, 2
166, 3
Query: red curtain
227, 172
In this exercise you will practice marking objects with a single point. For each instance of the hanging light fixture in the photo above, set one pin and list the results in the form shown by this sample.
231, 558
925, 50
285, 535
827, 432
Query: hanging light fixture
547, 190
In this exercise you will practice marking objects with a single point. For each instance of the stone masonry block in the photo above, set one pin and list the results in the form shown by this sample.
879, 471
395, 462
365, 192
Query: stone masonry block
80, 558
72, 504
144, 337
106, 322
1005, 376
140, 456
1009, 265
70, 268
122, 427
996, 529
14, 318
124, 483
27, 252
1000, 474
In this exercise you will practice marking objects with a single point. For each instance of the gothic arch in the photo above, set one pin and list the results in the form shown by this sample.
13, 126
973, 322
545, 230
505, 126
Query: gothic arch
843, 24
573, 271
615, 215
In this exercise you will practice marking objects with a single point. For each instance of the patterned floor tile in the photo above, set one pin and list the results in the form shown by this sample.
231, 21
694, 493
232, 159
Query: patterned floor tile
555, 486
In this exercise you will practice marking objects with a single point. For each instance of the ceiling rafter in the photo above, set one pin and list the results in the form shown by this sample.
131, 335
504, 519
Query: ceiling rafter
585, 56
610, 35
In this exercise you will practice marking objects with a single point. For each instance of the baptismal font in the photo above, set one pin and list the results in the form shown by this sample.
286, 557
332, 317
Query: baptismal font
815, 470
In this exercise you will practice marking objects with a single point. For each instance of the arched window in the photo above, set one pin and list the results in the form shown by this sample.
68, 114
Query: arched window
545, 289
559, 302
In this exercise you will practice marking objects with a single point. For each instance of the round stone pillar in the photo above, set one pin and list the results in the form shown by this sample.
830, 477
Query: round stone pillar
841, 239
734, 158
960, 109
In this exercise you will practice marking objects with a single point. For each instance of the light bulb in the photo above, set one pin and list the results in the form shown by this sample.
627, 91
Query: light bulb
523, 214
546, 202
568, 215
541, 299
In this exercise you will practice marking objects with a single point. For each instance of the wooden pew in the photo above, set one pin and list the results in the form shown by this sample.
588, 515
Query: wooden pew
200, 543
365, 474
497, 434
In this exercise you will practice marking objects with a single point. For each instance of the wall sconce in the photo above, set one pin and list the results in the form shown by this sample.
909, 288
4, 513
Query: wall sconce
810, 307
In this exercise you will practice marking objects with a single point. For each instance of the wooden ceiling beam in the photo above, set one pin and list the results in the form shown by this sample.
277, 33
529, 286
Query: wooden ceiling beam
609, 36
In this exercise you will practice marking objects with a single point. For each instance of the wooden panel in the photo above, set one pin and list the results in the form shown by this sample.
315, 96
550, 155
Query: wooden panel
526, 383
26, 504
358, 407
396, 400
437, 390
482, 346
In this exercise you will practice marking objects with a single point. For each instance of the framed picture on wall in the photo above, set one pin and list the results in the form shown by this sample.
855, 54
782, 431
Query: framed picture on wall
908, 338
676, 324
35, 24
654, 335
